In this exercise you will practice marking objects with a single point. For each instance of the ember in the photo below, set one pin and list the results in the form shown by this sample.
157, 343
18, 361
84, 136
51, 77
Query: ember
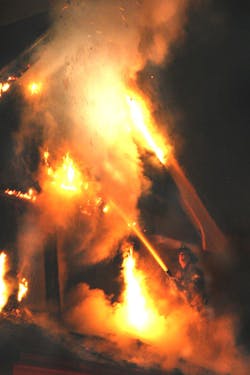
30, 195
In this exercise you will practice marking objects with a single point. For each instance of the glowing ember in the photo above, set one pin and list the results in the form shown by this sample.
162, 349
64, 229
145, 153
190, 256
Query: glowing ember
30, 195
140, 116
4, 87
3, 285
35, 88
22, 290
67, 176
12, 78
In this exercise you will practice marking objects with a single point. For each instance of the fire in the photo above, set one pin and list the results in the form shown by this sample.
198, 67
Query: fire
66, 177
139, 315
4, 87
35, 88
22, 289
3, 286
30, 195
141, 118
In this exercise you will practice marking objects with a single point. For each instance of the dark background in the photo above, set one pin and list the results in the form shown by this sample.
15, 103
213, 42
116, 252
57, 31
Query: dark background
207, 86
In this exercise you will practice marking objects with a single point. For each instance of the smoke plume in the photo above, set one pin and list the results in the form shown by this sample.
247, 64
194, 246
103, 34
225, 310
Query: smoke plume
93, 55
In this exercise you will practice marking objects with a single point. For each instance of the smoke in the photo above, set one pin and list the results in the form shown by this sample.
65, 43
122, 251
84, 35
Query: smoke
93, 56
172, 343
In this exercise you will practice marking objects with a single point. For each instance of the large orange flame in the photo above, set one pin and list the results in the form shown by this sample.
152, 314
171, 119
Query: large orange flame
135, 301
201, 218
137, 313
66, 177
142, 121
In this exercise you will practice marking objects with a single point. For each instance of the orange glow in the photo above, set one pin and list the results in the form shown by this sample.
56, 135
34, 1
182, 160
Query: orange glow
3, 286
35, 88
137, 311
4, 87
135, 302
141, 119
23, 289
66, 177
30, 195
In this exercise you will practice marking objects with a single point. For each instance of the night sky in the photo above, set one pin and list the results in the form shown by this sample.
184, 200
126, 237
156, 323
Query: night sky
206, 87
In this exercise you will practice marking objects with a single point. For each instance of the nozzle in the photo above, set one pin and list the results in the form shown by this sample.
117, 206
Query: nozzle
169, 273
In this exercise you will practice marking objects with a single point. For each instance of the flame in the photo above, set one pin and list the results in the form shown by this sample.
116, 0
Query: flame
3, 286
4, 87
30, 195
135, 301
139, 315
12, 78
66, 177
142, 121
35, 88
22, 289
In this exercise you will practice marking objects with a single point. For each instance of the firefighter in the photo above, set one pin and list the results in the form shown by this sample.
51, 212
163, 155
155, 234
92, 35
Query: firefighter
190, 279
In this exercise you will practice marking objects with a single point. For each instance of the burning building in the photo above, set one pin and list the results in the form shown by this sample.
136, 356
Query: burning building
90, 264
